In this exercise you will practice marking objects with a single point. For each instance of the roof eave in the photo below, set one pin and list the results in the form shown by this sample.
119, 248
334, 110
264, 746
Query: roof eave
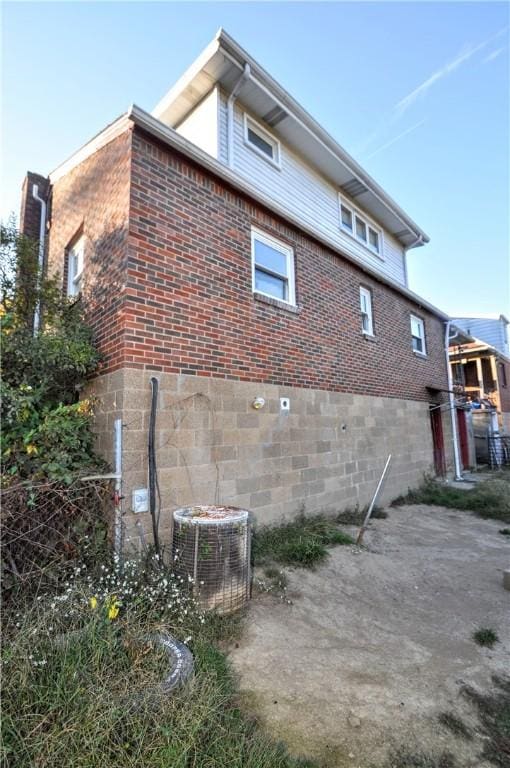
237, 55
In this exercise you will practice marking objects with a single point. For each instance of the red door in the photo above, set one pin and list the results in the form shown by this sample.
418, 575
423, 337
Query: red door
438, 440
463, 438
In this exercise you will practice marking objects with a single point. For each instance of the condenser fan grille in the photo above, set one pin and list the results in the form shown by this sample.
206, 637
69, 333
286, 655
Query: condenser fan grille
211, 547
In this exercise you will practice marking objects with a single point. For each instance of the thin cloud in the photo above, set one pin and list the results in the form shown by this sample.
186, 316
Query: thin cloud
467, 53
395, 139
493, 55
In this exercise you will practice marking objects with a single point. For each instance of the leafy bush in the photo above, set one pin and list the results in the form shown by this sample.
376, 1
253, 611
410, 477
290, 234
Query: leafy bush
46, 432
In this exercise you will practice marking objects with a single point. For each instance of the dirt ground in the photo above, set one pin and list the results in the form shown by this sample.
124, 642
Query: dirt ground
378, 642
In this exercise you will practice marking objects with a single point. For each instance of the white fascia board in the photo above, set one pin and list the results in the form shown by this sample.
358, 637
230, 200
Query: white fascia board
108, 134
167, 135
188, 76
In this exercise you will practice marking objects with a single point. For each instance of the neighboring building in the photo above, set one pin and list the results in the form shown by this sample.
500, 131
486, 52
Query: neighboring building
492, 329
228, 246
481, 376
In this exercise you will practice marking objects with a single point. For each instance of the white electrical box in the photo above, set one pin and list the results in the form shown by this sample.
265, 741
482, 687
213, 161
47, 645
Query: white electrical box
140, 500
284, 403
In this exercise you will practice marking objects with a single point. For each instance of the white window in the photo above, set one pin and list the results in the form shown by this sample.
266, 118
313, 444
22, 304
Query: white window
418, 334
261, 141
346, 218
365, 300
272, 267
75, 267
360, 227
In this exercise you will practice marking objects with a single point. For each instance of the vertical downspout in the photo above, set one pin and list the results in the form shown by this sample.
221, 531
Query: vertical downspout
40, 259
453, 412
418, 241
230, 112
117, 523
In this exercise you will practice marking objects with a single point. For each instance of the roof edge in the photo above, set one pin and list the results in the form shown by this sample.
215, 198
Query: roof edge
239, 56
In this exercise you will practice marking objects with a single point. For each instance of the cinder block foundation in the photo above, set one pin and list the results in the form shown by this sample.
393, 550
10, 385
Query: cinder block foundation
324, 454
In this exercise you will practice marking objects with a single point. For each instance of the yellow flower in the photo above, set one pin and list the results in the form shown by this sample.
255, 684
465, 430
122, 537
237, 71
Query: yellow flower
31, 449
84, 407
93, 603
113, 607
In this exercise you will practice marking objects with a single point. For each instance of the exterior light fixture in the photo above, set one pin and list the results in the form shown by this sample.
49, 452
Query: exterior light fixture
258, 403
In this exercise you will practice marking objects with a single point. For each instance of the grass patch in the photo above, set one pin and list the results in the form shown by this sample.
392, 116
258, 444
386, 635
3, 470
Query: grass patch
494, 713
486, 637
455, 725
94, 700
489, 499
356, 516
302, 541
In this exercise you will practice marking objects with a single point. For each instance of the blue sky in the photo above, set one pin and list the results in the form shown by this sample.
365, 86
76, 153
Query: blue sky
417, 92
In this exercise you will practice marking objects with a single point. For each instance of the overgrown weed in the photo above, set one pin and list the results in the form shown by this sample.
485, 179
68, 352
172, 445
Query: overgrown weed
488, 499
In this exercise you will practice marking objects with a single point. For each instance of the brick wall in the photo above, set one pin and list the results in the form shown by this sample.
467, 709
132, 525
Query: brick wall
30, 211
190, 307
93, 199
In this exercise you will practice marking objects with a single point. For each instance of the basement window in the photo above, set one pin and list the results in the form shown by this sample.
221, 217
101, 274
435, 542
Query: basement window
75, 267
367, 323
418, 335
272, 267
261, 141
360, 227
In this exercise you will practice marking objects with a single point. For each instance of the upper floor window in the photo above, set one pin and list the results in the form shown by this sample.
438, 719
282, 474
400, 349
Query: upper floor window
418, 335
75, 267
360, 227
261, 140
367, 323
272, 267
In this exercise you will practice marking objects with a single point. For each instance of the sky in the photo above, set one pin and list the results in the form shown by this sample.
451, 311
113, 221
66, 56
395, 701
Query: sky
417, 92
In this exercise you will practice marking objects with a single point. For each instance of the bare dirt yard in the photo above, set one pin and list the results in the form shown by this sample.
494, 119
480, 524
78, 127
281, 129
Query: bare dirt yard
378, 642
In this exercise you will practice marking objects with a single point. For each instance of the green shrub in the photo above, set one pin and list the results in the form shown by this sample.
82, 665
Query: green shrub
45, 431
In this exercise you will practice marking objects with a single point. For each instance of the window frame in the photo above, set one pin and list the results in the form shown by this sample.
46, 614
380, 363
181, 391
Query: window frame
421, 321
364, 219
265, 135
288, 252
75, 251
364, 291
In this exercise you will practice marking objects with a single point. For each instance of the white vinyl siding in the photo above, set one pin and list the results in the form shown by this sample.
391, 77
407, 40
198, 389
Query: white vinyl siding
75, 267
365, 300
272, 267
418, 335
297, 187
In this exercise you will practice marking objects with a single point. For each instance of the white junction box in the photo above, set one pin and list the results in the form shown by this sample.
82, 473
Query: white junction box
284, 403
140, 500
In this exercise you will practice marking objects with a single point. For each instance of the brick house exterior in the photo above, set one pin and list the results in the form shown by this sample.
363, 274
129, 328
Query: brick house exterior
167, 284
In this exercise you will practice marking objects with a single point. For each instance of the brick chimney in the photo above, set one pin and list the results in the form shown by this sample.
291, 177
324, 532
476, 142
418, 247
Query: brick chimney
30, 214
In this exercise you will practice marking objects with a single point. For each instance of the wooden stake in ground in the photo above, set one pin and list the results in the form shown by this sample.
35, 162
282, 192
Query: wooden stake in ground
372, 503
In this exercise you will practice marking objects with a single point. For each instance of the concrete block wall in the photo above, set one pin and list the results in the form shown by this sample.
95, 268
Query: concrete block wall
325, 454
